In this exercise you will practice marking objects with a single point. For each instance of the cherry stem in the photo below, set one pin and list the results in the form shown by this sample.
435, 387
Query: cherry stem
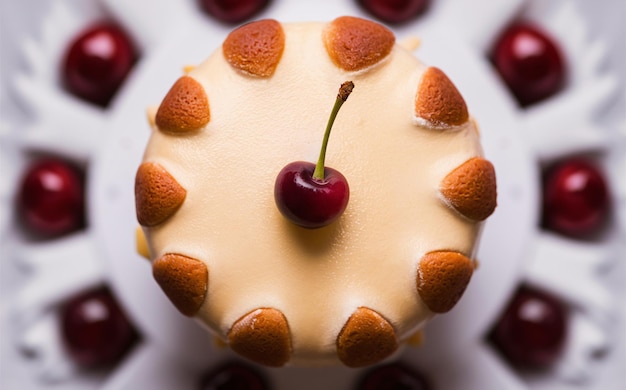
344, 91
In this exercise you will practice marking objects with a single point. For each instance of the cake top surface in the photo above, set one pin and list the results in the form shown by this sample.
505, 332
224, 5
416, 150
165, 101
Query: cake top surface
402, 250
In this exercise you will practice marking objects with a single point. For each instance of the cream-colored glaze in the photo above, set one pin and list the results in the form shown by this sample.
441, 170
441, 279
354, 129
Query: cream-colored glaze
317, 278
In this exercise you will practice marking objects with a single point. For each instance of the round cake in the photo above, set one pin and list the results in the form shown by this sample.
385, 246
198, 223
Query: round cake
354, 290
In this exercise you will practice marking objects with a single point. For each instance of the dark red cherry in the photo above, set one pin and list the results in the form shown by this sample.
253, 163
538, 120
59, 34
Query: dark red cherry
95, 330
529, 62
312, 195
51, 197
395, 11
531, 333
233, 11
575, 198
97, 62
395, 376
309, 202
233, 376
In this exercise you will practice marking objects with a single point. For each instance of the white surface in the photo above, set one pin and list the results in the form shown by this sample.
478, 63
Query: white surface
25, 18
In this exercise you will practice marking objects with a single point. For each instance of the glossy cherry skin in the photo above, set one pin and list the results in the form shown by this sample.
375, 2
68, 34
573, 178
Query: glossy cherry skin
97, 63
308, 202
233, 11
529, 62
395, 376
233, 376
532, 331
575, 198
51, 197
95, 330
395, 11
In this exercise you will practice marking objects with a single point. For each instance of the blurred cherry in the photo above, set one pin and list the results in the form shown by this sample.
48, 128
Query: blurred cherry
97, 63
529, 62
95, 330
395, 11
233, 376
233, 11
394, 376
532, 331
575, 198
51, 197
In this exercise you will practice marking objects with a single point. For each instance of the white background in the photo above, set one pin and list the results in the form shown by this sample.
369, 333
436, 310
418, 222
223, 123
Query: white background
606, 18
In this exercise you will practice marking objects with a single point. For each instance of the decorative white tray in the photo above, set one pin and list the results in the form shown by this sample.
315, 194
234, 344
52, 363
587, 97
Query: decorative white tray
174, 351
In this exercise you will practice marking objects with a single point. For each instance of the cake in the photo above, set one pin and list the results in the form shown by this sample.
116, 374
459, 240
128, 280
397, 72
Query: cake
355, 290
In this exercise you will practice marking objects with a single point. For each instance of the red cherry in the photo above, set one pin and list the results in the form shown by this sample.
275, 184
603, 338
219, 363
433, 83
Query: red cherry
306, 201
233, 376
233, 11
311, 195
51, 197
395, 11
531, 332
575, 198
97, 62
393, 376
529, 62
95, 330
